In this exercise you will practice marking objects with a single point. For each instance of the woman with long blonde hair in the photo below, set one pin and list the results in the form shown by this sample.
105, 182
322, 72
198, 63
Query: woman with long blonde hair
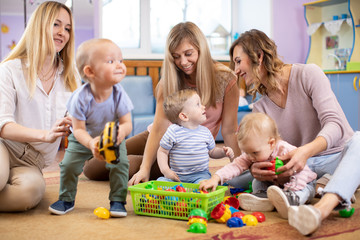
187, 64
37, 78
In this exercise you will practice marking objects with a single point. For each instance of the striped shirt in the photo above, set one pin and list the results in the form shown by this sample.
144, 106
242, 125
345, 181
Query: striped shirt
188, 148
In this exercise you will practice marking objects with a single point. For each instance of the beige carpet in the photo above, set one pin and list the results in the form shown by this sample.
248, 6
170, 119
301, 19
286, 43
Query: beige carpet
83, 224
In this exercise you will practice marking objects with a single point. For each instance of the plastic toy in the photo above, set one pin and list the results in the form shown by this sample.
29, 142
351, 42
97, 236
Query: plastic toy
149, 186
238, 214
197, 215
180, 188
276, 164
221, 213
250, 220
197, 228
197, 221
346, 213
259, 216
102, 212
232, 210
180, 209
232, 201
235, 222
107, 144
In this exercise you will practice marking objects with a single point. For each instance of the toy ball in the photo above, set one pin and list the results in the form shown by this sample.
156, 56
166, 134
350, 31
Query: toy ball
250, 220
238, 215
102, 212
197, 228
345, 213
235, 222
259, 216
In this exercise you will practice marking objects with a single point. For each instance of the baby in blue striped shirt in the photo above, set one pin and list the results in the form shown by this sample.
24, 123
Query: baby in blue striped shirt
187, 145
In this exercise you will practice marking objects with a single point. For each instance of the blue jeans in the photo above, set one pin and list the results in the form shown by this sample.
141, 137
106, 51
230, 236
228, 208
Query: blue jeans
346, 178
344, 167
190, 178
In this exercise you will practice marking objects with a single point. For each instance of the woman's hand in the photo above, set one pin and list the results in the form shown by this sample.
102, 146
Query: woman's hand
141, 176
260, 172
297, 161
59, 129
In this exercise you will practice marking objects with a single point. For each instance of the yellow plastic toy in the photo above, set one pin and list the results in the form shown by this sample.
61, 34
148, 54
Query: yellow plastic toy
221, 213
250, 220
107, 144
102, 212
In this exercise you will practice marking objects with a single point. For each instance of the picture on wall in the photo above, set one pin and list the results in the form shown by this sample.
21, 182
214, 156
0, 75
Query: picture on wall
332, 42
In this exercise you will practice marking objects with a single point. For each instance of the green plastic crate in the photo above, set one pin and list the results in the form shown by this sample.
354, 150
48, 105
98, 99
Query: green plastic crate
148, 200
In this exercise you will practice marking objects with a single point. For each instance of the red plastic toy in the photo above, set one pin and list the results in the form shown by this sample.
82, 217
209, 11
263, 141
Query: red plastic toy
276, 163
259, 216
232, 201
238, 214
221, 213
180, 209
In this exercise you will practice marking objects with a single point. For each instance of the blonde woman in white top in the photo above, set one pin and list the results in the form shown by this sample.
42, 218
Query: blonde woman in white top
36, 80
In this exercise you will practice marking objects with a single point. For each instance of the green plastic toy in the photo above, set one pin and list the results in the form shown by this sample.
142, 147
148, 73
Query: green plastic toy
346, 213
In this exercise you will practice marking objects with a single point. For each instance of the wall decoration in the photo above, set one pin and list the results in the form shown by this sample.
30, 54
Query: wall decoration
332, 42
4, 28
12, 45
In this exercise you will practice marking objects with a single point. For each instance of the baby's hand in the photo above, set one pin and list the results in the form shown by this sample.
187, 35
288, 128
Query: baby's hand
94, 147
229, 152
170, 174
212, 183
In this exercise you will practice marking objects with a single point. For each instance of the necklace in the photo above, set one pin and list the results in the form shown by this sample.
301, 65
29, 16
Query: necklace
46, 77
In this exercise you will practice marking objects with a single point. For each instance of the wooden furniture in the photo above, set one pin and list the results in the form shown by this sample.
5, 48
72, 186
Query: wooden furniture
151, 68
325, 41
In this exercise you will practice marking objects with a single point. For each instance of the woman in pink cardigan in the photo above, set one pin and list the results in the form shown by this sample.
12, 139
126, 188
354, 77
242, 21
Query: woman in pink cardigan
300, 100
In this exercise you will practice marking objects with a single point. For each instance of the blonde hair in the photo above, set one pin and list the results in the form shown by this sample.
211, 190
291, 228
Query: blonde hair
85, 52
37, 43
173, 78
174, 104
254, 43
258, 124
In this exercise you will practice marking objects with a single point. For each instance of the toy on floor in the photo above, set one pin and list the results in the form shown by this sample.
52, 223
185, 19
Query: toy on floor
232, 201
238, 214
346, 213
221, 213
276, 164
250, 220
237, 191
197, 221
235, 222
102, 212
107, 144
259, 216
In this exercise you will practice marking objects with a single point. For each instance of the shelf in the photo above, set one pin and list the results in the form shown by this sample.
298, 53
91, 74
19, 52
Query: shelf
323, 3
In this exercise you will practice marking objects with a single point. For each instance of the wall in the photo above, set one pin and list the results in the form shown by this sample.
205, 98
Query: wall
289, 30
282, 20
14, 23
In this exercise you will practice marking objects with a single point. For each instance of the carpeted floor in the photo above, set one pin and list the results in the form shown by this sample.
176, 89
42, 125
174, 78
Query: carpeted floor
81, 223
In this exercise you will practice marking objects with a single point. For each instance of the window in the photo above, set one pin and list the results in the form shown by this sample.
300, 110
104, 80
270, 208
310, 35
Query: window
213, 17
140, 27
